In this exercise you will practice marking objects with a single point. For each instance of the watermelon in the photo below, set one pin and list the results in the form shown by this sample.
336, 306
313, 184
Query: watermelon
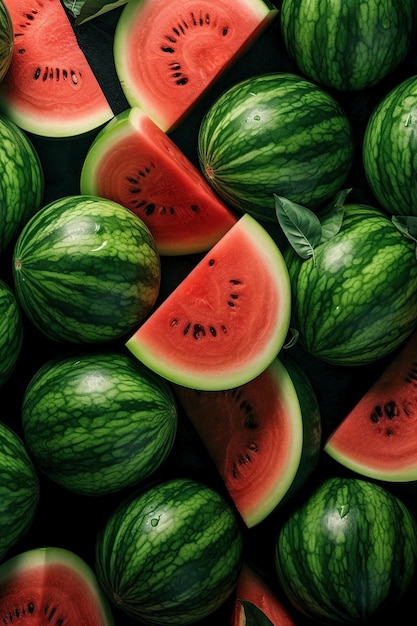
354, 301
11, 332
6, 39
390, 147
19, 485
377, 437
227, 319
347, 552
275, 133
163, 50
51, 585
133, 162
86, 270
170, 554
255, 600
98, 422
21, 185
264, 436
345, 46
50, 89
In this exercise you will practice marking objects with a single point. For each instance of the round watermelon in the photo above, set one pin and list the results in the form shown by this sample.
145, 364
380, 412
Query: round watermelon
390, 148
355, 299
347, 552
275, 133
98, 422
170, 554
6, 39
86, 270
19, 488
345, 45
11, 332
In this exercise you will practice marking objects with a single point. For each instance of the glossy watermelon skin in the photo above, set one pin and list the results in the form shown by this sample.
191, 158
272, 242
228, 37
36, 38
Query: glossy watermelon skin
98, 422
170, 554
86, 270
390, 148
22, 185
275, 133
6, 40
363, 43
11, 332
355, 301
347, 552
19, 486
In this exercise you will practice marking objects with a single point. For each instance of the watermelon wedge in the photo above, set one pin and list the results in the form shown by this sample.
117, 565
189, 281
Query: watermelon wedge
377, 438
227, 319
133, 162
50, 89
168, 52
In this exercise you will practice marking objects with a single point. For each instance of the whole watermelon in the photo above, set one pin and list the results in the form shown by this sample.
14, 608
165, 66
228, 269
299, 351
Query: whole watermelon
170, 554
275, 133
355, 300
390, 149
347, 45
98, 422
346, 552
11, 332
86, 270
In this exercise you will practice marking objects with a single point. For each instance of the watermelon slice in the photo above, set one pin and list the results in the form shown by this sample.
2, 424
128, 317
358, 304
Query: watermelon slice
168, 52
133, 162
378, 437
227, 319
51, 586
50, 89
263, 437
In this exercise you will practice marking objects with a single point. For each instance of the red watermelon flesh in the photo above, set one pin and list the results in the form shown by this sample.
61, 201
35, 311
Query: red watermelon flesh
227, 319
168, 52
378, 437
50, 89
254, 435
133, 162
51, 586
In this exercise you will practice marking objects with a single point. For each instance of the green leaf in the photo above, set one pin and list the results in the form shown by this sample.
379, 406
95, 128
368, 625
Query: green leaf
406, 224
331, 217
300, 225
84, 10
254, 615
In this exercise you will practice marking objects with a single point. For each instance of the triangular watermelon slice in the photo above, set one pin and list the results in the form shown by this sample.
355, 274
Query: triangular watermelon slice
227, 320
168, 52
378, 437
50, 89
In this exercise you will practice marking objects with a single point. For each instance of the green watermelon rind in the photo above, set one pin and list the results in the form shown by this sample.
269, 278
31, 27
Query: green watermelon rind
20, 490
98, 422
134, 553
275, 133
11, 332
6, 40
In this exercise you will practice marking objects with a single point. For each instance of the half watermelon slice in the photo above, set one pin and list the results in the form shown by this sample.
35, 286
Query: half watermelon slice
377, 438
227, 319
168, 52
50, 89
133, 162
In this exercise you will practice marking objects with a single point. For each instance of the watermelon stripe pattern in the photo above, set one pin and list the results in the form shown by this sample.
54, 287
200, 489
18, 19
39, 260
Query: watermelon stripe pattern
86, 270
99, 422
170, 555
19, 488
11, 332
275, 133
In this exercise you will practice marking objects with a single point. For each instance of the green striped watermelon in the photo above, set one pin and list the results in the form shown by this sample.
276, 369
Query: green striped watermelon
346, 44
170, 554
390, 149
21, 183
19, 488
86, 270
6, 39
355, 300
347, 552
96, 423
275, 133
11, 332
